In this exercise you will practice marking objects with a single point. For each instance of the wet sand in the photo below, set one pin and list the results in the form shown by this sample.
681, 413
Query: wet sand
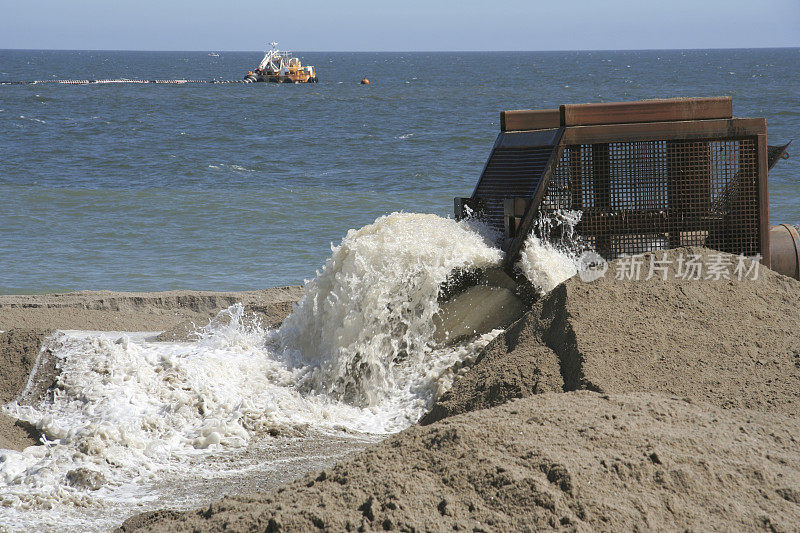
137, 311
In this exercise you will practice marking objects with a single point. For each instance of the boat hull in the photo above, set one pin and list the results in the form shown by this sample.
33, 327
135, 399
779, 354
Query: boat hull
289, 78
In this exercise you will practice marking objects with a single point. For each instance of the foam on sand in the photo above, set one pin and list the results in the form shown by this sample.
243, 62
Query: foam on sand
356, 358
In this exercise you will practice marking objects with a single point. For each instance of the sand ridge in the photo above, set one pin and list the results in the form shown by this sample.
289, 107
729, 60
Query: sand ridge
137, 311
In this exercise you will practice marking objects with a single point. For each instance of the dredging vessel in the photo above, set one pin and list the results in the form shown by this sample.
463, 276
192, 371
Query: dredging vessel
281, 67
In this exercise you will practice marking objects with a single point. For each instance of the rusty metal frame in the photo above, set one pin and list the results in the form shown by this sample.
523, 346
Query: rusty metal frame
655, 221
691, 124
690, 130
534, 148
658, 110
533, 208
530, 119
763, 196
679, 130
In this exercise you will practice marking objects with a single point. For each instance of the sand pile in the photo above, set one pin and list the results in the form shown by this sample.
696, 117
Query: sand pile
580, 460
728, 342
18, 352
687, 419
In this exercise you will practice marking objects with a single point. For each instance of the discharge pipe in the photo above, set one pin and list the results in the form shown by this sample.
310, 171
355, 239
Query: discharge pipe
784, 250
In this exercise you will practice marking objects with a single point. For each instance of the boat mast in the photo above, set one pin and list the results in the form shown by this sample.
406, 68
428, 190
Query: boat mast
271, 54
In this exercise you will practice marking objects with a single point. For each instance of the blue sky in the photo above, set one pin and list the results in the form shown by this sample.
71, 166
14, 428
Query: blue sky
448, 25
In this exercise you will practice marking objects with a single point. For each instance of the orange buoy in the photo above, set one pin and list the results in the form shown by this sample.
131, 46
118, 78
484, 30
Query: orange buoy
364, 81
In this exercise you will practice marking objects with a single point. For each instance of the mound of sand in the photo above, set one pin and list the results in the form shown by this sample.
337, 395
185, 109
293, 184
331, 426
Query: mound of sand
18, 352
516, 364
579, 460
730, 342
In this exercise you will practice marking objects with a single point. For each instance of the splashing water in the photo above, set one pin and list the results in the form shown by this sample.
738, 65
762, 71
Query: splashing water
551, 254
356, 357
545, 265
366, 321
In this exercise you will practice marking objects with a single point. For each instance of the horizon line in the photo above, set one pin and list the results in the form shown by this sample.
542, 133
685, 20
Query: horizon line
407, 51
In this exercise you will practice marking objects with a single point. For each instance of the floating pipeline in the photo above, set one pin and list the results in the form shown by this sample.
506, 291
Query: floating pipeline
119, 81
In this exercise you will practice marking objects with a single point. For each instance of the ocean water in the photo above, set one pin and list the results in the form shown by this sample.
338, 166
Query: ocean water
228, 187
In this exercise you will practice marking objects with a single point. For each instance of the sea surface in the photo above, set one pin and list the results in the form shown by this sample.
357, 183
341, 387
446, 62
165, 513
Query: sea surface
230, 187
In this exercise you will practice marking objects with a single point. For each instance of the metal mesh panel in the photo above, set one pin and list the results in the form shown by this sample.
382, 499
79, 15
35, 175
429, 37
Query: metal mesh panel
647, 195
510, 172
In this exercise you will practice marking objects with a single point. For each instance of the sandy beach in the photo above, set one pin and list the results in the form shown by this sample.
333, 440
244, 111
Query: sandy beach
665, 403
137, 311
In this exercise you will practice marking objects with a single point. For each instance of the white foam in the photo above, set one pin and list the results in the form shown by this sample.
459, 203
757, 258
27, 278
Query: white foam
545, 265
33, 119
546, 261
365, 324
355, 357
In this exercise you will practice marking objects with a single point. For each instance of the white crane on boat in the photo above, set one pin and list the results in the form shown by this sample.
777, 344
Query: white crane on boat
281, 67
